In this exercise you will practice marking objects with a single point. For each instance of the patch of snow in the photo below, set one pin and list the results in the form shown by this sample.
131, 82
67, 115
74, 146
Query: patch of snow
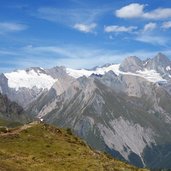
99, 71
126, 137
22, 79
145, 63
150, 75
42, 68
78, 73
114, 68
168, 68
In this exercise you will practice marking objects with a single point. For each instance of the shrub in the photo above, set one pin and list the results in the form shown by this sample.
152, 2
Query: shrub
3, 129
69, 131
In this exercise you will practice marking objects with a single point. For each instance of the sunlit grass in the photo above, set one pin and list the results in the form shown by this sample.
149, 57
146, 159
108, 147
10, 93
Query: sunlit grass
46, 148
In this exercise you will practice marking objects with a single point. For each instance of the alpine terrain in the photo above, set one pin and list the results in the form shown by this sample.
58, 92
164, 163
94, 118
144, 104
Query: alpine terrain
122, 109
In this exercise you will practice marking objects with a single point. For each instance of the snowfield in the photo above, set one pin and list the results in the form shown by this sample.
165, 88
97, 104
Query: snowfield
150, 75
29, 79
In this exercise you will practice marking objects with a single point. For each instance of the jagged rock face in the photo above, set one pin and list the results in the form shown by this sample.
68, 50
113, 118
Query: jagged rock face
24, 96
113, 81
133, 142
160, 60
167, 86
129, 84
64, 80
57, 72
131, 64
3, 83
11, 111
8, 107
160, 63
121, 122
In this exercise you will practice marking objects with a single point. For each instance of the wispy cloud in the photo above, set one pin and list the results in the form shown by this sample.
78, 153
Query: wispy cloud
166, 25
149, 36
6, 27
150, 27
85, 28
70, 17
5, 52
69, 52
136, 10
116, 28
152, 39
72, 56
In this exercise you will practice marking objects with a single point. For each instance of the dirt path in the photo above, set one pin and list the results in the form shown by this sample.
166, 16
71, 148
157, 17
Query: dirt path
18, 130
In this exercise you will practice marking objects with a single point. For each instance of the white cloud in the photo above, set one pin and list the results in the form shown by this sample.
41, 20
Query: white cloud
146, 35
166, 25
150, 26
136, 10
116, 28
85, 28
160, 13
11, 27
130, 11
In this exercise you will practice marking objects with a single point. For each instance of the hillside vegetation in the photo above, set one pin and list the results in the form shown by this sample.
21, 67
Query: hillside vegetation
40, 147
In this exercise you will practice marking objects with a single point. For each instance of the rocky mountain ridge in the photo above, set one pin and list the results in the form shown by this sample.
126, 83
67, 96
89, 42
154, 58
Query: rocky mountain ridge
24, 86
11, 111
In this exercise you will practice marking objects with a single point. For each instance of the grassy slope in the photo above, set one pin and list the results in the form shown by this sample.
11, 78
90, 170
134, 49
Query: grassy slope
40, 147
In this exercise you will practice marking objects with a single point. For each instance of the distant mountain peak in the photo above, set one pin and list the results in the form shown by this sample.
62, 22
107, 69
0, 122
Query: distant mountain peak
131, 64
160, 63
107, 65
132, 58
110, 73
160, 57
35, 69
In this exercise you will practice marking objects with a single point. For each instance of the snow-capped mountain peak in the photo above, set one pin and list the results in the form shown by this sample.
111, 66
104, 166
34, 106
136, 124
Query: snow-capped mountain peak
29, 78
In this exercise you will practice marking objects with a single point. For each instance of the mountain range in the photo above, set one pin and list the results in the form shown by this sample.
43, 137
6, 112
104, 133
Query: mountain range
122, 109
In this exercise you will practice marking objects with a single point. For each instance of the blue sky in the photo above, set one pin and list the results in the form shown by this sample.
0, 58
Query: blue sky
81, 33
